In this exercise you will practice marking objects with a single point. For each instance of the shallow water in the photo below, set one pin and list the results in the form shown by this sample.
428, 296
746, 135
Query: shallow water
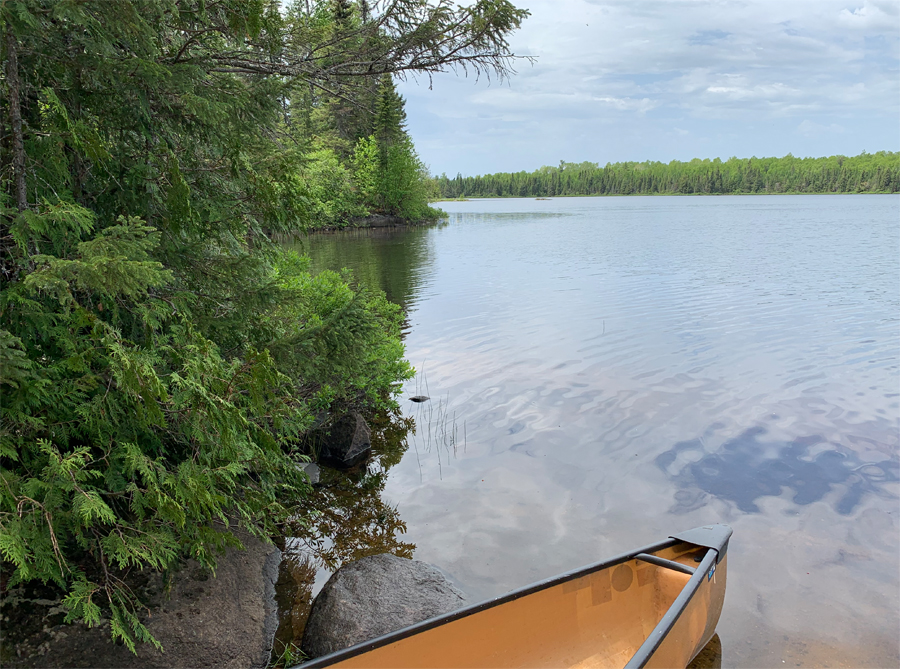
606, 371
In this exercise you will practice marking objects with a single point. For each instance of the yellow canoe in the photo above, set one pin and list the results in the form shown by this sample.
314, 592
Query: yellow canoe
656, 606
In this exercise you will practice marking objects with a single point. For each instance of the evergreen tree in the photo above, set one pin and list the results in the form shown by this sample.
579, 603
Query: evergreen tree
390, 116
866, 173
160, 357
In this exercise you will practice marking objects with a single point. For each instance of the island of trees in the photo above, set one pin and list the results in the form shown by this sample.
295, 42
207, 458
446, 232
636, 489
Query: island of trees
161, 356
865, 173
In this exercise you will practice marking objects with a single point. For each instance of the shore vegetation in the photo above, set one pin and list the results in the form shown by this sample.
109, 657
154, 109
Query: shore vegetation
161, 357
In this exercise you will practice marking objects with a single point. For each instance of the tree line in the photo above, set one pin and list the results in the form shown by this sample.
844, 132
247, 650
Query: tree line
161, 356
865, 173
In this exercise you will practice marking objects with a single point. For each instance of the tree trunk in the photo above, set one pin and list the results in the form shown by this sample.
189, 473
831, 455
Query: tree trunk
78, 168
15, 116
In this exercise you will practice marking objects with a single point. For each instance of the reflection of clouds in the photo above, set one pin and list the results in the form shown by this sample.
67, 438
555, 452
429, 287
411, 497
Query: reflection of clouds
745, 469
578, 350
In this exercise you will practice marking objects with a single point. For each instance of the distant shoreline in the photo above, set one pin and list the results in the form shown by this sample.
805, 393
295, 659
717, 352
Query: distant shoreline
866, 173
556, 197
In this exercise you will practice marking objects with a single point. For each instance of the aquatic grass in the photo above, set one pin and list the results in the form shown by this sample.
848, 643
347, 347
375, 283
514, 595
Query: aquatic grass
436, 426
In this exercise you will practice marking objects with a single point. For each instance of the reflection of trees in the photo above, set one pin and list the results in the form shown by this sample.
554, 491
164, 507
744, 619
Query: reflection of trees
293, 596
710, 657
347, 520
388, 259
390, 437
343, 519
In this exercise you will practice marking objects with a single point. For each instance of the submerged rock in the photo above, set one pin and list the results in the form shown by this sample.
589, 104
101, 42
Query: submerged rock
312, 471
373, 596
345, 444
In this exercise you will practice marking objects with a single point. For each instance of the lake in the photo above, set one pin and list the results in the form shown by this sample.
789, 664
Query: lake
606, 371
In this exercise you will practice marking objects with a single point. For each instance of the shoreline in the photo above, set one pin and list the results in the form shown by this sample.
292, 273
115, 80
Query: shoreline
378, 222
470, 198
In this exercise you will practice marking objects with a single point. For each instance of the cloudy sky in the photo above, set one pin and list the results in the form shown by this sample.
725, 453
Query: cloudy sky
622, 80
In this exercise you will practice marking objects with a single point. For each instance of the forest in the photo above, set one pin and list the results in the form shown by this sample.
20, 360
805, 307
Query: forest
865, 173
161, 355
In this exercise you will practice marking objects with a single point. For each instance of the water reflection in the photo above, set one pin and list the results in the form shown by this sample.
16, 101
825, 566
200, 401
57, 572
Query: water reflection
388, 259
608, 354
710, 657
746, 468
293, 597
344, 519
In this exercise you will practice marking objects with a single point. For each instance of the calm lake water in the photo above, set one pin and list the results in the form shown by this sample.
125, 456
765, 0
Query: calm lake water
607, 371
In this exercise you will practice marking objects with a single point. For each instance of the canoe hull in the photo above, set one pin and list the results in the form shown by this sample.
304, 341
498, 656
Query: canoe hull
696, 625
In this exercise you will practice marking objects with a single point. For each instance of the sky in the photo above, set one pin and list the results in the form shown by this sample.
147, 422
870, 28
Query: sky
619, 80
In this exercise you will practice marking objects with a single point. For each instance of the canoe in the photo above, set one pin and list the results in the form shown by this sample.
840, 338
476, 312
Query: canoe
656, 606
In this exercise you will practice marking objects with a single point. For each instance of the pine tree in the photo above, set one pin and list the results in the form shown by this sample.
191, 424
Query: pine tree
160, 356
390, 116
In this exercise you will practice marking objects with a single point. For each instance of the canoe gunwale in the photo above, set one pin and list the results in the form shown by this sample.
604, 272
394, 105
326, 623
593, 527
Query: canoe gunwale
665, 625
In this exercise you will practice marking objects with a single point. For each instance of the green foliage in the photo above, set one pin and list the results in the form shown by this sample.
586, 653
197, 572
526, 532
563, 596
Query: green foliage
161, 356
391, 179
366, 169
290, 655
865, 173
346, 338
404, 183
347, 103
114, 263
332, 200
387, 175
390, 117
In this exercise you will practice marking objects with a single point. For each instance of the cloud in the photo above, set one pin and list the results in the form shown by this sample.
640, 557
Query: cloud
737, 76
876, 16
707, 37
641, 106
809, 128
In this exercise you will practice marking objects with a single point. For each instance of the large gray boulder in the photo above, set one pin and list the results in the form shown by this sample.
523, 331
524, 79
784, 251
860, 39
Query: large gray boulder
373, 596
225, 622
345, 444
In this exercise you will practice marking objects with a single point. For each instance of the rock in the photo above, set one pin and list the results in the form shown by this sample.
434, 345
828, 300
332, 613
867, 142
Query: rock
312, 471
373, 596
345, 444
226, 622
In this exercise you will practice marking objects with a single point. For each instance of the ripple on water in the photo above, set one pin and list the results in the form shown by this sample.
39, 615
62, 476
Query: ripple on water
624, 367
